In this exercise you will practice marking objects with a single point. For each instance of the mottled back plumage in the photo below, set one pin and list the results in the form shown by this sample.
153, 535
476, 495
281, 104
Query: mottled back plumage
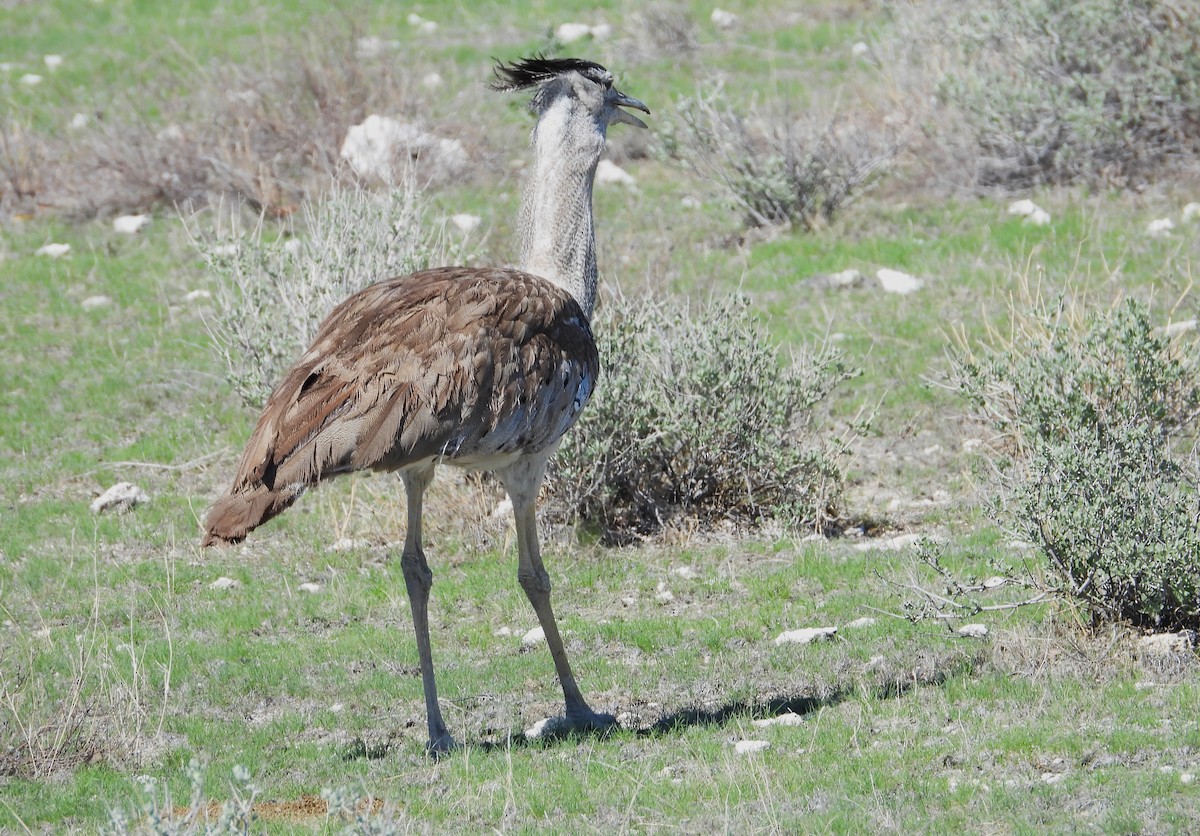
472, 365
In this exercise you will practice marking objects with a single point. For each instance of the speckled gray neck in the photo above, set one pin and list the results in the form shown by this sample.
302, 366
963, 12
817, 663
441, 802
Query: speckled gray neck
558, 239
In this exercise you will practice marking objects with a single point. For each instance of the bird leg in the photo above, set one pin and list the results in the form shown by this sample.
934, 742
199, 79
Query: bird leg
523, 480
417, 580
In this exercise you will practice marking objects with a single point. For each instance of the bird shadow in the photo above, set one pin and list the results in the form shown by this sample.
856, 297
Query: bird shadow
754, 707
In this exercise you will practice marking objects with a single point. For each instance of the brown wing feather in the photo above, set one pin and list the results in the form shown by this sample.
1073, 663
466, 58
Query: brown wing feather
453, 363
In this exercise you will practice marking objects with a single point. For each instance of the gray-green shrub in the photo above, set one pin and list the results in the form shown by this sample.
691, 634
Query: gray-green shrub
780, 171
1097, 460
699, 416
1054, 91
273, 290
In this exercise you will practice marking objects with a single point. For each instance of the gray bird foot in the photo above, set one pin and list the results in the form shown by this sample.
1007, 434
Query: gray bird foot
574, 723
440, 746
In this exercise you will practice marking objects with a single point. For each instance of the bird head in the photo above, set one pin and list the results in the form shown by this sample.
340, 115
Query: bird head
579, 86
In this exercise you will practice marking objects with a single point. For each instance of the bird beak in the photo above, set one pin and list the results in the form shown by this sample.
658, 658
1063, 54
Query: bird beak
621, 100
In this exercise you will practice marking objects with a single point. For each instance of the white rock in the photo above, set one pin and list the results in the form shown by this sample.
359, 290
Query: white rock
1174, 329
749, 747
1162, 644
432, 81
95, 303
865, 621
337, 707
662, 594
421, 24
787, 718
52, 62
900, 541
689, 202
465, 222
54, 250
373, 46
601, 32
534, 637
894, 281
972, 445
373, 147
568, 33
346, 544
1024, 208
972, 631
859, 49
130, 224
1191, 212
503, 508
30, 79
994, 581
171, 133
546, 728
1186, 777
309, 587
78, 122
609, 172
197, 296
805, 635
120, 497
1029, 210
686, 572
224, 583
1160, 228
724, 19
1040, 217
503, 631
1052, 777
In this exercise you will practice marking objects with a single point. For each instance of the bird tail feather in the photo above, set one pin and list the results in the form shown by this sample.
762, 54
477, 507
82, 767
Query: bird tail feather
238, 513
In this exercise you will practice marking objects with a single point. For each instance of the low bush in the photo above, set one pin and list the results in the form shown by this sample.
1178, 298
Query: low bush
273, 291
776, 170
1050, 91
699, 417
1096, 455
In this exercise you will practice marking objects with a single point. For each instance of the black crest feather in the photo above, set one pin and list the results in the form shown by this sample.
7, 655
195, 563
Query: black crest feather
528, 73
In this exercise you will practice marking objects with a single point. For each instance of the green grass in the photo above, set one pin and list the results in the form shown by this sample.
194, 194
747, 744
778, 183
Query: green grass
110, 622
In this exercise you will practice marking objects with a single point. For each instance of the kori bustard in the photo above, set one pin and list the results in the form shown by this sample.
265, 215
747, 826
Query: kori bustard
482, 368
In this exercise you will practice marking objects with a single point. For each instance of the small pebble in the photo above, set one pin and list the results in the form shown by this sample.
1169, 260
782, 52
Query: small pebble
805, 635
749, 747
895, 281
54, 250
122, 496
724, 19
464, 222
608, 172
130, 224
534, 637
309, 587
787, 718
1160, 228
94, 303
224, 583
